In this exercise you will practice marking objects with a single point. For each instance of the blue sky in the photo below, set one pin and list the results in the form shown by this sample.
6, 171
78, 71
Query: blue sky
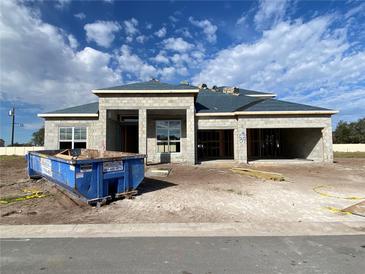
53, 53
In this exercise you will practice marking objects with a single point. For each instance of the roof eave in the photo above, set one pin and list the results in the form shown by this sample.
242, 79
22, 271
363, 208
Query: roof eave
292, 112
266, 95
68, 115
133, 91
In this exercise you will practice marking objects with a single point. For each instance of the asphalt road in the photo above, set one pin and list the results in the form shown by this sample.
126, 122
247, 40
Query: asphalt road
303, 254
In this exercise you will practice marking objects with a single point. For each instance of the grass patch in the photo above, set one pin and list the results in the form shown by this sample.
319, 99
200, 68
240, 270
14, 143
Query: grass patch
349, 154
11, 157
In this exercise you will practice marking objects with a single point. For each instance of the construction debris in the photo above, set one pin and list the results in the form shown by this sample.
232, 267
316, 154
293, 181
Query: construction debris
264, 175
357, 209
158, 172
85, 154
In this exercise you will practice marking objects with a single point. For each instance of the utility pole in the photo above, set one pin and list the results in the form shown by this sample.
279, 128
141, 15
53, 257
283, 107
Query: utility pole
12, 113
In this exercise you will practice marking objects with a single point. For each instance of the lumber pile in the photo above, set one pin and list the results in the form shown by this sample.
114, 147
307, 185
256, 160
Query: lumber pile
259, 174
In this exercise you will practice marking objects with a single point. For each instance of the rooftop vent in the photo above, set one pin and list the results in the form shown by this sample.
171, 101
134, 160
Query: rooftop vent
215, 88
231, 90
202, 86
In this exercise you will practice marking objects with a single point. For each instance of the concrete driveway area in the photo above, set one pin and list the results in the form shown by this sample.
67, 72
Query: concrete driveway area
207, 193
213, 193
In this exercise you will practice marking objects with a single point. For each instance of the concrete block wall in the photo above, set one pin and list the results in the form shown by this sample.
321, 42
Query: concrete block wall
215, 122
150, 102
300, 121
51, 126
152, 155
97, 128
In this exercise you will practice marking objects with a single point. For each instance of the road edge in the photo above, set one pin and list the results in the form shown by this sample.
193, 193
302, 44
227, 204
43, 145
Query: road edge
181, 230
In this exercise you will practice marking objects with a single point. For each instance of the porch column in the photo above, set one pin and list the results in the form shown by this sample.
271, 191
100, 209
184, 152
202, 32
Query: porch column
142, 131
190, 135
327, 143
100, 134
241, 142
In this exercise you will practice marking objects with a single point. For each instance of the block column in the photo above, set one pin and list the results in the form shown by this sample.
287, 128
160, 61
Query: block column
142, 131
241, 142
101, 133
327, 144
190, 135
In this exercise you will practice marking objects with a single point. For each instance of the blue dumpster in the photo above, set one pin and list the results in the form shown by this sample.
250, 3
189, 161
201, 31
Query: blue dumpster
94, 176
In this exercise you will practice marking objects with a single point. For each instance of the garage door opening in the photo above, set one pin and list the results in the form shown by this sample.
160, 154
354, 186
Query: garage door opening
215, 144
284, 143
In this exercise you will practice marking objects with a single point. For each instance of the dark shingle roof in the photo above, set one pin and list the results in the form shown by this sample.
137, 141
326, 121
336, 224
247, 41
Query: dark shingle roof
207, 101
151, 85
91, 108
215, 102
278, 105
210, 101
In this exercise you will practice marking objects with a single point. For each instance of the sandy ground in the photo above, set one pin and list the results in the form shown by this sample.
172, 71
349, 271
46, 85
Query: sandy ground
203, 193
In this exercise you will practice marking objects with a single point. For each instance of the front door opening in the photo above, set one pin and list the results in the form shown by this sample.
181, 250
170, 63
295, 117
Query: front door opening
122, 130
129, 137
215, 144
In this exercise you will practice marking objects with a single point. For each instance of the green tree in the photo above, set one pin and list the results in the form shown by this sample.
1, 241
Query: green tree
38, 137
350, 133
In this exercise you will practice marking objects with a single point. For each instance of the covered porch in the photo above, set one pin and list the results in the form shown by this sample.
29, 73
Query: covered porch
164, 135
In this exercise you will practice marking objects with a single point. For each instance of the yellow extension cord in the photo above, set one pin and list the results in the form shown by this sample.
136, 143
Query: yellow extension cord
35, 194
316, 189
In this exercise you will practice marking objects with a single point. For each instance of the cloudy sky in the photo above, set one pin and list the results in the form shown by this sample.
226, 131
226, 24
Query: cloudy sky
53, 53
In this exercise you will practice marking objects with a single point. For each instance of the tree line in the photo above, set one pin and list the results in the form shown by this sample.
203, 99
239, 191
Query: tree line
350, 132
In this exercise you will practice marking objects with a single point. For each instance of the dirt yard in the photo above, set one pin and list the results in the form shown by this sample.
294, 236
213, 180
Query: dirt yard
202, 193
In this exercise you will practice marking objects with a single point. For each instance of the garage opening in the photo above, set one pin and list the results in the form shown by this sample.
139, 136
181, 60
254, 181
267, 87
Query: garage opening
215, 144
122, 130
284, 143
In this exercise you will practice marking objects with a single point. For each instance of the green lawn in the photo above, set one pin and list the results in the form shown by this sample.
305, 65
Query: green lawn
349, 154
10, 157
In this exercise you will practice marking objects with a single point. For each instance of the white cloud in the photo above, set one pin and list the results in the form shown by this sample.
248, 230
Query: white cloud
72, 41
41, 67
356, 10
141, 39
130, 26
208, 28
131, 63
270, 13
161, 58
80, 15
305, 62
173, 19
184, 32
102, 32
167, 73
149, 26
177, 44
61, 4
161, 32
241, 20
